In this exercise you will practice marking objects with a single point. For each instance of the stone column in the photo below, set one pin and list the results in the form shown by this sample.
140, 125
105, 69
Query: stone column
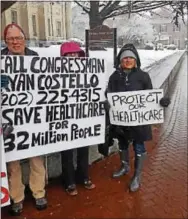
68, 19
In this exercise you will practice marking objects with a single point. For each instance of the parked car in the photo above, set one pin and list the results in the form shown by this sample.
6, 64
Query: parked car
149, 46
79, 41
43, 43
171, 47
160, 46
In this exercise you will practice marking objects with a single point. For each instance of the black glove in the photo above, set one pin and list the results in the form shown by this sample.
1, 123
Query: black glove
106, 105
104, 148
119, 131
4, 81
165, 101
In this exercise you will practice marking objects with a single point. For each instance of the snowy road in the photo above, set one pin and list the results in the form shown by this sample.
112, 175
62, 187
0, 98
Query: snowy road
161, 70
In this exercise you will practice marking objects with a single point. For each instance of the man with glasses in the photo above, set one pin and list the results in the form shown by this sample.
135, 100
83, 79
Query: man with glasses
15, 40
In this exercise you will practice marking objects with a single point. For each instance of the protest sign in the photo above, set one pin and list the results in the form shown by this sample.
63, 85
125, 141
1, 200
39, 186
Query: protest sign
53, 103
136, 107
5, 199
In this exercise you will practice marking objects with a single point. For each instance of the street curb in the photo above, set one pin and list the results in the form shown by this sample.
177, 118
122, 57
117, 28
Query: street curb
159, 62
169, 80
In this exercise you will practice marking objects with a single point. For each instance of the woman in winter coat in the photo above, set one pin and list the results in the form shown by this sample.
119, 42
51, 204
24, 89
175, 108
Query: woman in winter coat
81, 174
129, 77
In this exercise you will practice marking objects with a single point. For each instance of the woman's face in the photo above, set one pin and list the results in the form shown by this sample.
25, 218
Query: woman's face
72, 54
128, 63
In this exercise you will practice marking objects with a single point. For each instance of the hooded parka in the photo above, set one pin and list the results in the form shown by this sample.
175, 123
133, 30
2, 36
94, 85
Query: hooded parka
135, 80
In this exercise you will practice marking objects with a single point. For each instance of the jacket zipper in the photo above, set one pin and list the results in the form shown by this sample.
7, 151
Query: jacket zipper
127, 79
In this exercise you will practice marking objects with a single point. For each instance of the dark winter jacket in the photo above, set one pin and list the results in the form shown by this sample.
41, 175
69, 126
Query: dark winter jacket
28, 52
136, 80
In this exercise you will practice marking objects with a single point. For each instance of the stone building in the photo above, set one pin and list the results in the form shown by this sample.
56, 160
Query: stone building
41, 21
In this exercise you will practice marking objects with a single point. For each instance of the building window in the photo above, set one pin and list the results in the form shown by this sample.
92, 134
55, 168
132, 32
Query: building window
34, 25
58, 28
176, 28
49, 27
170, 40
14, 16
177, 42
163, 28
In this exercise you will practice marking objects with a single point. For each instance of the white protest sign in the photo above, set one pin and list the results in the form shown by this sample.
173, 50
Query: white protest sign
53, 103
136, 107
5, 199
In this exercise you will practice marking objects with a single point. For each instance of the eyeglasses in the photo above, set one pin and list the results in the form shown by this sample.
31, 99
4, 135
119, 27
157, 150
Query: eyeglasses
11, 39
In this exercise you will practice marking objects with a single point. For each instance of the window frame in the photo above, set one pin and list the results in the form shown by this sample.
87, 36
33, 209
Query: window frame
34, 29
49, 27
161, 28
16, 13
58, 33
177, 28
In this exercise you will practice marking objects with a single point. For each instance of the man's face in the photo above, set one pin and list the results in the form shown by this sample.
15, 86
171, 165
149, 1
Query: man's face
15, 41
128, 63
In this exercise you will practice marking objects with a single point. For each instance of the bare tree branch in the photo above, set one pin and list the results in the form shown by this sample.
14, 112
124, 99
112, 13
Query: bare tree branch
85, 9
103, 3
110, 8
137, 8
6, 4
180, 9
102, 10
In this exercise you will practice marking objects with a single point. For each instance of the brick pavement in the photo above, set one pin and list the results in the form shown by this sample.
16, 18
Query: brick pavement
164, 181
165, 185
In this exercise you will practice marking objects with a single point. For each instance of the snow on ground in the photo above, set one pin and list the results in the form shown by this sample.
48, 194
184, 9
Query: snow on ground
147, 57
160, 72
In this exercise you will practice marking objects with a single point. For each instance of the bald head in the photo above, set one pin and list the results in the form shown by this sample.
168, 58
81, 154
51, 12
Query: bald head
15, 40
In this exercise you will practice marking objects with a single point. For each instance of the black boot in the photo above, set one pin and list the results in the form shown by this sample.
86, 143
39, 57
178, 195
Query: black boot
138, 165
124, 157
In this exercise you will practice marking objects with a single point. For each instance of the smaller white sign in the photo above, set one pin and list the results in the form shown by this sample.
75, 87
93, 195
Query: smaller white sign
5, 199
136, 108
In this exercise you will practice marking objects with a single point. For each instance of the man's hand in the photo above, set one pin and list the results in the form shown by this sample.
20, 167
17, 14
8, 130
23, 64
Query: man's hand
165, 101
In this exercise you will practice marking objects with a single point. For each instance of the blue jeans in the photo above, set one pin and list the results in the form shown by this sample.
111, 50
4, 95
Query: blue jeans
139, 148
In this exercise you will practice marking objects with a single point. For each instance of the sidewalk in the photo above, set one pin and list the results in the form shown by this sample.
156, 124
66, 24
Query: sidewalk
110, 199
